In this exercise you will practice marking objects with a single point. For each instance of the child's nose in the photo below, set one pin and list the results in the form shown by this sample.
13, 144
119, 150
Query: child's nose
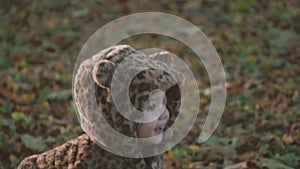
165, 115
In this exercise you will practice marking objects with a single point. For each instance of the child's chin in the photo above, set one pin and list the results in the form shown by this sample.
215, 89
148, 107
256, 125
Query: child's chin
152, 141
158, 139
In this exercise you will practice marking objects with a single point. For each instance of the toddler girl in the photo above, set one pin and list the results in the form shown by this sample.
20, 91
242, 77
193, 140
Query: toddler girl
152, 91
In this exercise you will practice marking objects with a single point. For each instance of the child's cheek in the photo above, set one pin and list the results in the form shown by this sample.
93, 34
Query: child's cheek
147, 129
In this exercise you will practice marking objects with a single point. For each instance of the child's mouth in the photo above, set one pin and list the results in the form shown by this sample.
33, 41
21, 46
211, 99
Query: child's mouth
159, 130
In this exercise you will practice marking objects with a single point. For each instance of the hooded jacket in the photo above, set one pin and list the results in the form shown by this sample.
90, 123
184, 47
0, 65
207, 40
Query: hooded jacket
99, 84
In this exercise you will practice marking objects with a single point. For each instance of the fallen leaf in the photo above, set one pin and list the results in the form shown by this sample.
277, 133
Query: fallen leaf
288, 139
194, 148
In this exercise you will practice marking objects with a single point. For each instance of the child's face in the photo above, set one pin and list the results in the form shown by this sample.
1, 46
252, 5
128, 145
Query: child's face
154, 128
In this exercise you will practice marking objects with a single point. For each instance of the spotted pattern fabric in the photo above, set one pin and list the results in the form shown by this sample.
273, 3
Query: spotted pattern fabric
84, 151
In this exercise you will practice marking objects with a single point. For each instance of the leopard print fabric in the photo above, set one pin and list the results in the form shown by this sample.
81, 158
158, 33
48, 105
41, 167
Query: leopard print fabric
83, 151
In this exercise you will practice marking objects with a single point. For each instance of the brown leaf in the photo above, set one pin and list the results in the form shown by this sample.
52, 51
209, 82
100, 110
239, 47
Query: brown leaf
288, 139
295, 95
247, 155
194, 148
242, 165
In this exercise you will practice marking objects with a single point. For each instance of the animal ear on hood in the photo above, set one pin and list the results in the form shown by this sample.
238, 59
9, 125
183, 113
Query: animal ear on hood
102, 73
163, 56
167, 59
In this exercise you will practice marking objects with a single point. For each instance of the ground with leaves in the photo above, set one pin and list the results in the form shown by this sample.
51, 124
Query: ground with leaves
258, 42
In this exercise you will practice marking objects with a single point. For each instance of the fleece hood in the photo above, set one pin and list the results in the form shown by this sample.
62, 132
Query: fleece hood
100, 94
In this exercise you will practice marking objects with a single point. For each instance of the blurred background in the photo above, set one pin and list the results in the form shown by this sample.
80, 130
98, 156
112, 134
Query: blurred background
258, 43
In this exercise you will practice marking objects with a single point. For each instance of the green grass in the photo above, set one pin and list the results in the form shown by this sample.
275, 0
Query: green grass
257, 42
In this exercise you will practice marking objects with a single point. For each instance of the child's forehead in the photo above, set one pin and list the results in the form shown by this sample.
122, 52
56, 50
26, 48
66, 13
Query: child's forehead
157, 97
